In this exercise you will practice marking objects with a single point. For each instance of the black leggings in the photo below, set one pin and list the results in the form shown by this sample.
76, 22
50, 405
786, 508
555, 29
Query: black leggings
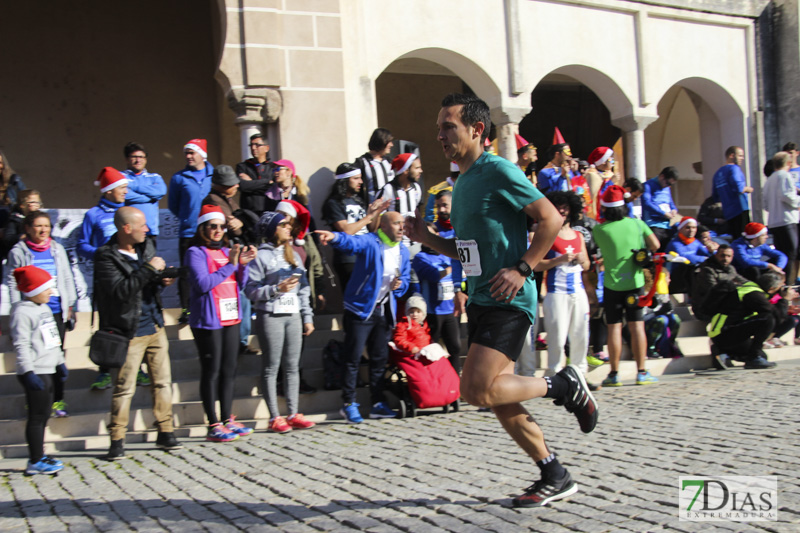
39, 404
58, 385
598, 334
219, 351
447, 327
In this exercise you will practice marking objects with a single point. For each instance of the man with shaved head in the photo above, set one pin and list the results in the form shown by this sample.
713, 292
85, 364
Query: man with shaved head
380, 275
128, 279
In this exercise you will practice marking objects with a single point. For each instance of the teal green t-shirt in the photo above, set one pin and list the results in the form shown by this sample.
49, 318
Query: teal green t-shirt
616, 240
488, 200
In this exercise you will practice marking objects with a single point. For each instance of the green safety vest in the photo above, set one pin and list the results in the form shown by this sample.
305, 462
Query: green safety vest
714, 328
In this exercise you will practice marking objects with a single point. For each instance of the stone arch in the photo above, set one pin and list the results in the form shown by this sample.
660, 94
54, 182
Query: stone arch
460, 65
610, 93
718, 122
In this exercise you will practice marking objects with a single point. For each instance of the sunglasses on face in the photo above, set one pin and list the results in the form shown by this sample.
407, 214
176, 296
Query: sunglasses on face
216, 226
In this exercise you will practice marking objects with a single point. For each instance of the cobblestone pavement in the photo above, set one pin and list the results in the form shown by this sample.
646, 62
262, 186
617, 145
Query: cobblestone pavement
453, 472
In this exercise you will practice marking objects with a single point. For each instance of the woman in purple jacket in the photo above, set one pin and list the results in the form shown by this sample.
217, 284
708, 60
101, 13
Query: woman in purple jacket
216, 275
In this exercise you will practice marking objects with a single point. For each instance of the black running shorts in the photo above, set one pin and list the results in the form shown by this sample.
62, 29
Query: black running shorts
617, 303
498, 328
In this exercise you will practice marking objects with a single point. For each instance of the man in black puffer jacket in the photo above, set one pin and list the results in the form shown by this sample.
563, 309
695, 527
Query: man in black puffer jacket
128, 280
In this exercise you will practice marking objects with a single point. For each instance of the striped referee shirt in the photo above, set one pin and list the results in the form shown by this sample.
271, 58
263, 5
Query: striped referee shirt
375, 174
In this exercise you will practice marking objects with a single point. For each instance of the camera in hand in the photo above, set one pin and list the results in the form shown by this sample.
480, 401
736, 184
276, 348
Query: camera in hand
172, 272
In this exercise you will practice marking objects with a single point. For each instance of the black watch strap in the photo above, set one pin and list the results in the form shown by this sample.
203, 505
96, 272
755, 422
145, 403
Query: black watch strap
524, 268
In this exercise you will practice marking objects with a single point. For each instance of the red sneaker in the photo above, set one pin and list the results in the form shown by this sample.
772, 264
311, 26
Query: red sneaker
298, 421
279, 425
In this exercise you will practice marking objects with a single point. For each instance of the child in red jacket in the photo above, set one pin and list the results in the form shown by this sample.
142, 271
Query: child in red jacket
412, 333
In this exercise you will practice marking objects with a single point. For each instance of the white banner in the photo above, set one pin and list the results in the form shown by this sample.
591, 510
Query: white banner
66, 230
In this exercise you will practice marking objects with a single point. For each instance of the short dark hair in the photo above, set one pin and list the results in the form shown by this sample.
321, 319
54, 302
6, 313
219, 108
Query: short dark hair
569, 199
769, 168
670, 173
731, 151
612, 214
555, 149
702, 229
133, 147
770, 280
261, 136
379, 139
442, 194
474, 110
789, 147
633, 185
524, 150
723, 247
33, 215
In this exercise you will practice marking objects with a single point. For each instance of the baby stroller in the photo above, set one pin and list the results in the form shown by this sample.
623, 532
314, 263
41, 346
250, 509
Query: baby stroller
419, 383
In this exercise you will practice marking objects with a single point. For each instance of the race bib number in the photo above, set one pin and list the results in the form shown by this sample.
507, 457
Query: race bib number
50, 335
286, 303
228, 309
446, 291
469, 256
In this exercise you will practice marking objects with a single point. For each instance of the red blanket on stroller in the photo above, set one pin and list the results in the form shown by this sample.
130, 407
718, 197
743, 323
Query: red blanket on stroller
431, 384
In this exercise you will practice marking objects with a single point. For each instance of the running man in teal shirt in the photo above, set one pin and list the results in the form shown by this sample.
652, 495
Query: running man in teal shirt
491, 202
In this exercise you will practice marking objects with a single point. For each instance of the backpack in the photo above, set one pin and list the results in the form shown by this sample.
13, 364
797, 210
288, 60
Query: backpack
332, 364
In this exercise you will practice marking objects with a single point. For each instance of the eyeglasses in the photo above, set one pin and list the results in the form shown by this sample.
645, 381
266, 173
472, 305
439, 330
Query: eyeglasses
137, 157
216, 226
256, 145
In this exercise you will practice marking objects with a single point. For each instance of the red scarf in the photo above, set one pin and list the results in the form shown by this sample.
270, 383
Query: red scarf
686, 240
445, 224
43, 247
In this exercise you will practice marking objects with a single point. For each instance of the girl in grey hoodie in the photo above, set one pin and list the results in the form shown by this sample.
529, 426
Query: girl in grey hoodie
40, 360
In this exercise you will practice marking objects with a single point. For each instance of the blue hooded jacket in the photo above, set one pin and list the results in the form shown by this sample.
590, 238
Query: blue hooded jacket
361, 293
98, 227
186, 197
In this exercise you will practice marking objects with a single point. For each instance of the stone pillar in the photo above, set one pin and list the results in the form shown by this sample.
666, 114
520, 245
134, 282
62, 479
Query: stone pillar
254, 108
507, 120
632, 127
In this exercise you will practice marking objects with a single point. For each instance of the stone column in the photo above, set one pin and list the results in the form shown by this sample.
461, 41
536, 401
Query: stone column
254, 108
507, 120
632, 127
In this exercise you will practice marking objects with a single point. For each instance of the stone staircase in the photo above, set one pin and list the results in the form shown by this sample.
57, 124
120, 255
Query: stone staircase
85, 429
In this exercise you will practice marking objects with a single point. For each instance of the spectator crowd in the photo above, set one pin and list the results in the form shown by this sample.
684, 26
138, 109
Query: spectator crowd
251, 261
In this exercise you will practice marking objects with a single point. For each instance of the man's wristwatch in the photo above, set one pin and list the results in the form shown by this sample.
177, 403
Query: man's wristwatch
524, 268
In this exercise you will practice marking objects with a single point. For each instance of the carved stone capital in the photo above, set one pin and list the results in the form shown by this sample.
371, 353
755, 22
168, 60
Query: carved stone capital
255, 105
508, 115
633, 122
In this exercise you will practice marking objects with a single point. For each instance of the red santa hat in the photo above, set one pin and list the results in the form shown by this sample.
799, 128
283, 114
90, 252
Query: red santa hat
753, 230
198, 145
210, 212
110, 178
297, 211
613, 197
32, 280
454, 167
285, 163
600, 155
686, 220
402, 163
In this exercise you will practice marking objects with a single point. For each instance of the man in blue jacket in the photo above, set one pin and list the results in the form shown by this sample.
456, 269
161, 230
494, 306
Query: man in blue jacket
749, 252
145, 188
658, 207
730, 188
187, 189
380, 275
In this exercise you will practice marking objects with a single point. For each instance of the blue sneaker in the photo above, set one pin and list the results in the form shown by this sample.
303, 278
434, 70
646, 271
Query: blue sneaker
219, 433
350, 412
44, 466
645, 379
381, 410
612, 381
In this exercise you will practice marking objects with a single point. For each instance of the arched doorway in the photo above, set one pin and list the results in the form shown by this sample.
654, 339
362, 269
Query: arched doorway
409, 92
581, 102
697, 121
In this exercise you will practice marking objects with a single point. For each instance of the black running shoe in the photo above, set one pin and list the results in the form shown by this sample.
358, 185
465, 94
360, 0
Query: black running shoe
116, 450
543, 492
579, 400
167, 441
